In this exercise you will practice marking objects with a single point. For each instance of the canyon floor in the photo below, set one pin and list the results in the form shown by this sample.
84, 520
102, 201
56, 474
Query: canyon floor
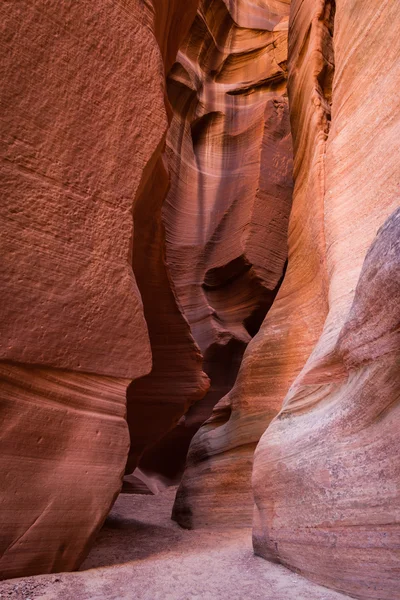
141, 554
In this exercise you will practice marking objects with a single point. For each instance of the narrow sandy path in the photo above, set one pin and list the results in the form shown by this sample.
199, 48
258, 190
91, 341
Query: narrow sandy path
141, 554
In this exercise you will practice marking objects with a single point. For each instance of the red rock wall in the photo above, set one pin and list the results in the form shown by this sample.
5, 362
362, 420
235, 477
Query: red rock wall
226, 216
157, 401
217, 491
63, 449
145, 239
84, 119
326, 471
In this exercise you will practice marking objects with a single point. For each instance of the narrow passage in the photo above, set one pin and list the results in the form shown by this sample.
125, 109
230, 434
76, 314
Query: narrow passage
140, 554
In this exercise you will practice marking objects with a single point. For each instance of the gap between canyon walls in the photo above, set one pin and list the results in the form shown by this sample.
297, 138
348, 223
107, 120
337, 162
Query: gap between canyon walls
223, 455
228, 158
156, 402
226, 213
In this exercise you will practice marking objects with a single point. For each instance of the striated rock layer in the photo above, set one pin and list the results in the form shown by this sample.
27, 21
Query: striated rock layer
157, 401
226, 216
63, 447
326, 474
335, 446
145, 239
84, 119
326, 471
219, 489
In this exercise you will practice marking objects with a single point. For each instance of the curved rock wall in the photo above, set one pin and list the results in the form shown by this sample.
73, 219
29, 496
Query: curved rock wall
147, 176
157, 401
216, 487
325, 483
64, 443
226, 216
84, 119
326, 471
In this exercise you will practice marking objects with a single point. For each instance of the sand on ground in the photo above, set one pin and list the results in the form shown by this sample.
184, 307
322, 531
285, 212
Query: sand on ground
140, 554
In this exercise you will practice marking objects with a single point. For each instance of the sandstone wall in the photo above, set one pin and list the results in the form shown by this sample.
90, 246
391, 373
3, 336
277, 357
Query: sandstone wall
84, 119
226, 217
326, 471
147, 182
157, 401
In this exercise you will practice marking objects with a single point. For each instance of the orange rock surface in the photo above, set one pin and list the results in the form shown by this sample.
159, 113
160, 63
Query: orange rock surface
226, 216
326, 471
168, 310
84, 120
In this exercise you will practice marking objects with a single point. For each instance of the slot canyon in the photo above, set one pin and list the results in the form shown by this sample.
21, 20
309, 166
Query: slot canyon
200, 300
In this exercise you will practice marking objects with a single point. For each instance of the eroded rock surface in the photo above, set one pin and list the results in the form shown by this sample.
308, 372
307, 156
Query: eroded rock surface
226, 216
84, 120
157, 401
147, 176
326, 472
69, 173
64, 443
335, 446
336, 213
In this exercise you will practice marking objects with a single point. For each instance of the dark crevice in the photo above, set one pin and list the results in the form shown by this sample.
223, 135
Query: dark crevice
201, 126
326, 74
220, 276
255, 320
236, 293
271, 84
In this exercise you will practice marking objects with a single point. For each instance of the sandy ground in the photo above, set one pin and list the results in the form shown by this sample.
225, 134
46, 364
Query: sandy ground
140, 554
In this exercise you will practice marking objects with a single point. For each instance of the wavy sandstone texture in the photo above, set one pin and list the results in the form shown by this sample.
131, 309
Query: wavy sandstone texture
148, 178
345, 188
157, 401
335, 445
326, 472
226, 216
83, 124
